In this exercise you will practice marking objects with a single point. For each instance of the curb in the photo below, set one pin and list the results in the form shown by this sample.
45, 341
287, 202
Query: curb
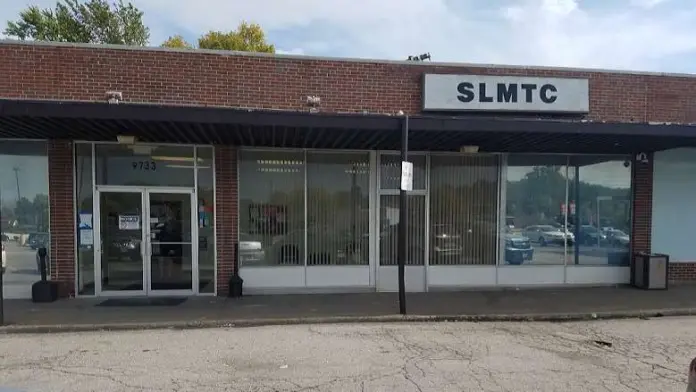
248, 323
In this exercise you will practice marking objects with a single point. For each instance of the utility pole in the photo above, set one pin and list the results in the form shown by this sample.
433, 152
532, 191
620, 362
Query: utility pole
19, 194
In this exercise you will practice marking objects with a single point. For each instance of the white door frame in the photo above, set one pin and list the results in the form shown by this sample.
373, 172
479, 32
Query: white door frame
146, 247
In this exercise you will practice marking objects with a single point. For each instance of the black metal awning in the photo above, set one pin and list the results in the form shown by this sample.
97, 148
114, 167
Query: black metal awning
217, 125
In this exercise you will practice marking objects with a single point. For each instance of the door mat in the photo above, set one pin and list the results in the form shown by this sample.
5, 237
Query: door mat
138, 302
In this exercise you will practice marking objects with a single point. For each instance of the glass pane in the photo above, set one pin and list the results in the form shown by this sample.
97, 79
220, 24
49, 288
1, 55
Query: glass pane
170, 235
271, 208
338, 209
121, 239
85, 237
144, 165
206, 221
389, 230
25, 219
604, 210
463, 210
390, 171
534, 233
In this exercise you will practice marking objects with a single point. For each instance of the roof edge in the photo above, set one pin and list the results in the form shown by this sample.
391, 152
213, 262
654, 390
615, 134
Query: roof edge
433, 64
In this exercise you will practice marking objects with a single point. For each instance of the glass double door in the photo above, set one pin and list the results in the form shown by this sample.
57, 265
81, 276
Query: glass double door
145, 241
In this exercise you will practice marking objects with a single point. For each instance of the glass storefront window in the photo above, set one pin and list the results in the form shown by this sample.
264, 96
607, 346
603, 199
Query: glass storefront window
592, 194
602, 212
535, 212
85, 227
144, 165
463, 210
25, 213
338, 208
206, 220
271, 208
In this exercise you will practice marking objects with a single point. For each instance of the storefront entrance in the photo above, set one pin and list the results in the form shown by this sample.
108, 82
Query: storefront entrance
145, 241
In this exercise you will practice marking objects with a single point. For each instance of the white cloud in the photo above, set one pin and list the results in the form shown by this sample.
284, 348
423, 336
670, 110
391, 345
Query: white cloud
629, 35
647, 3
296, 51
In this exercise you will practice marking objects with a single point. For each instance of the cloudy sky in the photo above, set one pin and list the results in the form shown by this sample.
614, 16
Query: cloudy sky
654, 35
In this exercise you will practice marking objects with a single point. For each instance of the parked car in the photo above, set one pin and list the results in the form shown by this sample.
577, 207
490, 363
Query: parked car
547, 234
446, 241
37, 240
590, 235
618, 238
518, 249
325, 246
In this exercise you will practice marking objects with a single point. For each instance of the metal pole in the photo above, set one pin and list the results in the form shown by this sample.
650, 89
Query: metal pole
403, 216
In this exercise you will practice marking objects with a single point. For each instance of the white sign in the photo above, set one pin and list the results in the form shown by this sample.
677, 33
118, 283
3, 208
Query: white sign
129, 222
85, 221
406, 176
86, 237
505, 94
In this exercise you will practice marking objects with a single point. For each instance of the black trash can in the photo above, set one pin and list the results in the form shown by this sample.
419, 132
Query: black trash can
650, 271
236, 283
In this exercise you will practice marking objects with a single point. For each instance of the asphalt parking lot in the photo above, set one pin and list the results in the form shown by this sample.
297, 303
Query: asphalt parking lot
613, 356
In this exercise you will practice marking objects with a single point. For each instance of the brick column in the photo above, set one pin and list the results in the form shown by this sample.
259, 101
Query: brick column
62, 215
226, 210
642, 205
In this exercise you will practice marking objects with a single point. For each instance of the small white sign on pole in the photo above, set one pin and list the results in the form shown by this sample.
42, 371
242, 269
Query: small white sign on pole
406, 176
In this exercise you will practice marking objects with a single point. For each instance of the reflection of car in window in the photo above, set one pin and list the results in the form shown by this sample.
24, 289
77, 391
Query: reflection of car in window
618, 238
325, 246
518, 249
548, 234
37, 240
590, 235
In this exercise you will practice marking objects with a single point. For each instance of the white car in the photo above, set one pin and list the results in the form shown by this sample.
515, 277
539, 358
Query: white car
4, 259
547, 234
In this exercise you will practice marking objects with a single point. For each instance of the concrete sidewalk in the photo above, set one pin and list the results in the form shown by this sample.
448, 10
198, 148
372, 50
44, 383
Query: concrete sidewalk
530, 304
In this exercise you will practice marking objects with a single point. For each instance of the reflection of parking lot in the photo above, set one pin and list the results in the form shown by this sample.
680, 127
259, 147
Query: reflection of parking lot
589, 255
21, 271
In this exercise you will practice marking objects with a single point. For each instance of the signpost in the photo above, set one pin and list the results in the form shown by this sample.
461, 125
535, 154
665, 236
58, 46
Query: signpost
406, 185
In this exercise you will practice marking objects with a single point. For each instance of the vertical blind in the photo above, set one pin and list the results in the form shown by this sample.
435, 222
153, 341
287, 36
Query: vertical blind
463, 210
338, 208
285, 196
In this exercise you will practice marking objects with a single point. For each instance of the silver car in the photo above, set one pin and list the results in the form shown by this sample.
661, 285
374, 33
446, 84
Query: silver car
548, 234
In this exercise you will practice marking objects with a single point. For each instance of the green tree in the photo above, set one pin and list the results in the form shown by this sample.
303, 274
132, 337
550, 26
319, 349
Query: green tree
176, 41
249, 37
91, 21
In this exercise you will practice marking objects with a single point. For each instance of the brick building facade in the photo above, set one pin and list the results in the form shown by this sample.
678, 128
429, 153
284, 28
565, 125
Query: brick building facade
170, 78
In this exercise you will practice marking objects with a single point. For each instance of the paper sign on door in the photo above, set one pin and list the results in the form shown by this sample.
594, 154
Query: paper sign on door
129, 222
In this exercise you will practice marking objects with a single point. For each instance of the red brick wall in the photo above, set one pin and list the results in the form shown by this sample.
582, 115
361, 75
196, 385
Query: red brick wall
65, 72
642, 205
682, 272
226, 214
60, 194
